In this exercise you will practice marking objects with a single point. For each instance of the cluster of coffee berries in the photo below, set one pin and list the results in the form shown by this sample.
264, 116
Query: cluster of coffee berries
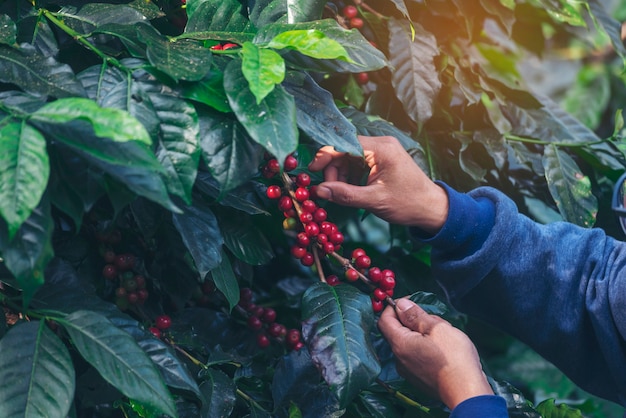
382, 281
161, 323
223, 46
351, 15
271, 166
263, 321
130, 285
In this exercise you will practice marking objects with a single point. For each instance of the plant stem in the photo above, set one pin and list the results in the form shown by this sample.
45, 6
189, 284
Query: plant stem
516, 138
249, 399
399, 395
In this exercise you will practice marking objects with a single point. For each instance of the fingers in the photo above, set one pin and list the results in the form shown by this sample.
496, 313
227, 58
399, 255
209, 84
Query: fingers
390, 325
415, 318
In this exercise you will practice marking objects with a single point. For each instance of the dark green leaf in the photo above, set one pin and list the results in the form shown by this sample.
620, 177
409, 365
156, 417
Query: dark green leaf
265, 12
127, 34
37, 74
119, 359
379, 405
93, 15
569, 187
415, 77
336, 327
225, 16
611, 27
230, 154
40, 371
548, 409
226, 281
24, 171
305, 11
593, 89
244, 198
209, 91
201, 234
182, 59
262, 68
272, 123
219, 390
363, 56
115, 124
245, 241
27, 255
318, 115
8, 30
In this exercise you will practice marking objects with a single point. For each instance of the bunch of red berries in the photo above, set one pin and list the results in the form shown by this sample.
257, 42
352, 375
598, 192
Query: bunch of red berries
131, 286
315, 234
161, 323
263, 320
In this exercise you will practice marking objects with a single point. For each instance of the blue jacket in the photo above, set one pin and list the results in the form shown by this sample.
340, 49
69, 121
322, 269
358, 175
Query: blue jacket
559, 288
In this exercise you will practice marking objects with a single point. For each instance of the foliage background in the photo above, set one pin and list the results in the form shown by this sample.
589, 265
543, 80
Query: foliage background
123, 130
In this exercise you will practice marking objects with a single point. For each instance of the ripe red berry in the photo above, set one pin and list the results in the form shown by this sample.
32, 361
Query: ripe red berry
109, 272
306, 217
163, 322
269, 315
356, 23
332, 280
352, 275
254, 322
389, 292
388, 273
357, 252
285, 203
320, 215
321, 238
328, 247
267, 173
350, 11
387, 283
362, 78
375, 274
262, 340
298, 346
245, 294
291, 163
311, 229
298, 252
307, 260
309, 206
301, 194
273, 166
326, 228
217, 47
303, 239
303, 180
276, 330
258, 311
229, 46
379, 294
363, 262
336, 238
292, 338
155, 331
377, 305
273, 192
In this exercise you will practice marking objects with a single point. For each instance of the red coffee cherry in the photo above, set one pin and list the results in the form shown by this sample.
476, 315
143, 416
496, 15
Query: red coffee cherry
375, 274
262, 341
357, 252
320, 215
377, 305
292, 338
350, 11
273, 192
155, 331
229, 46
332, 280
356, 23
362, 78
303, 239
303, 180
363, 262
109, 272
269, 315
387, 283
254, 322
163, 322
379, 294
291, 163
336, 238
277, 330
328, 247
298, 252
307, 260
311, 229
306, 217
285, 203
309, 206
301, 194
142, 295
326, 228
352, 275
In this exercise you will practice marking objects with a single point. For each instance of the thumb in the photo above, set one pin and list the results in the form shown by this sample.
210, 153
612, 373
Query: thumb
343, 193
414, 317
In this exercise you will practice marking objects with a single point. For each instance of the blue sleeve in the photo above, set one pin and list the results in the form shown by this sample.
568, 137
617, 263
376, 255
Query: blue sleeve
485, 406
559, 288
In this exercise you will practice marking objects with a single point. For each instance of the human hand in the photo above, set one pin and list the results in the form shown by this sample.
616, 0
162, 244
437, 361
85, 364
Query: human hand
397, 190
432, 354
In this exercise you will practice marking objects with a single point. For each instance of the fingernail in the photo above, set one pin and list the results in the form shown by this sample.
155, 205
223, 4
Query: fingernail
323, 192
403, 304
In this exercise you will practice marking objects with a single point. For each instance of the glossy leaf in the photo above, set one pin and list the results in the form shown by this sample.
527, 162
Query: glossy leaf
262, 68
93, 15
40, 370
24, 171
201, 234
569, 187
230, 154
225, 281
119, 359
272, 123
310, 42
318, 115
30, 250
549, 409
8, 30
209, 91
336, 326
219, 390
245, 240
37, 74
244, 198
266, 12
379, 405
609, 25
415, 78
217, 16
110, 123
304, 11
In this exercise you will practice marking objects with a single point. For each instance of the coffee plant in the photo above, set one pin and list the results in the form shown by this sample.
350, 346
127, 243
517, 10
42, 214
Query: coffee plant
163, 251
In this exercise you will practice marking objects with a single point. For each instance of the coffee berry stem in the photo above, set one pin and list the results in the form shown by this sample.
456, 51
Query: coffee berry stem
318, 264
402, 397
361, 3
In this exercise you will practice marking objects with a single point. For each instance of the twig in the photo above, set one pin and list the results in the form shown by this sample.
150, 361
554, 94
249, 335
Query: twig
399, 395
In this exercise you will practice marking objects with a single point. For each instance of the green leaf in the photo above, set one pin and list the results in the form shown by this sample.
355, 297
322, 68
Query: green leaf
27, 255
219, 390
363, 56
263, 68
201, 234
24, 171
216, 16
115, 124
548, 409
230, 154
244, 198
209, 91
245, 240
37, 74
415, 78
181, 59
311, 42
93, 15
336, 327
569, 187
304, 11
379, 405
40, 371
118, 359
226, 281
266, 12
272, 123
593, 88
318, 115
8, 30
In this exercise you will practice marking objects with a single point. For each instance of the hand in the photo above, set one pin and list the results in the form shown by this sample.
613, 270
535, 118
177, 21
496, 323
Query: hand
397, 190
432, 354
